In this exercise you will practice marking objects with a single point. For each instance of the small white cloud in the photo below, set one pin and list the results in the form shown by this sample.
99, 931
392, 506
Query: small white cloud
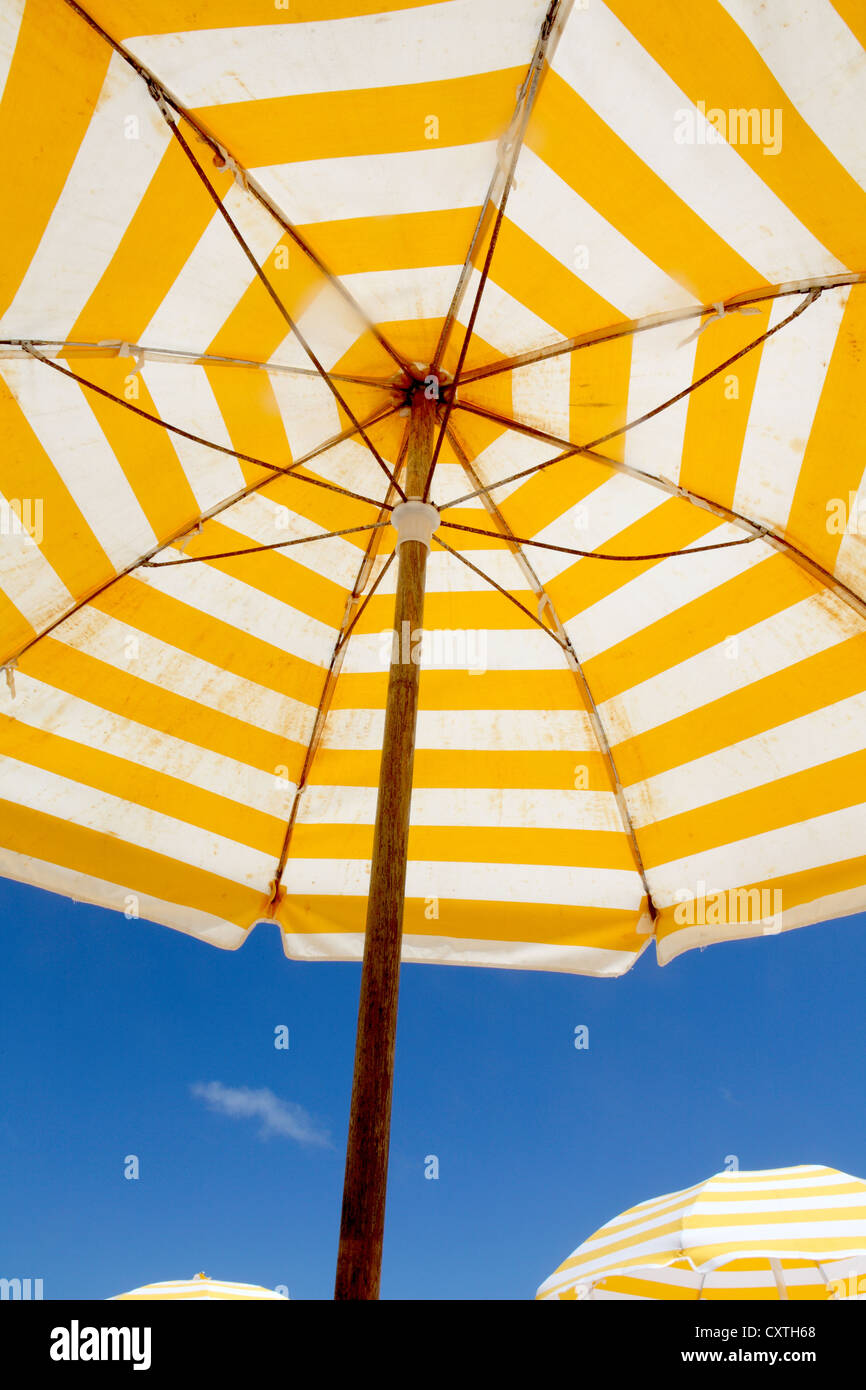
281, 1117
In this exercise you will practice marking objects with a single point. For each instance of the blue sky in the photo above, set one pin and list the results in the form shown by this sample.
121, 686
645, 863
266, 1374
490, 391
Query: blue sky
753, 1049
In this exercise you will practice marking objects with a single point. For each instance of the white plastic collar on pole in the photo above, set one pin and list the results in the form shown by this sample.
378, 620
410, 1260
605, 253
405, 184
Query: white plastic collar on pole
415, 521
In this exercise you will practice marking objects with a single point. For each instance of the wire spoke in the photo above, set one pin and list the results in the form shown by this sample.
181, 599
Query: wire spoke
548, 438
532, 80
276, 469
110, 349
261, 549
329, 684
595, 337
293, 327
494, 585
599, 554
249, 182
370, 592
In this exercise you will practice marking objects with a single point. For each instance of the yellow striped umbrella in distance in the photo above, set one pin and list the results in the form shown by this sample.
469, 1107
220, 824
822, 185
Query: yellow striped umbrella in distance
620, 260
198, 1288
780, 1233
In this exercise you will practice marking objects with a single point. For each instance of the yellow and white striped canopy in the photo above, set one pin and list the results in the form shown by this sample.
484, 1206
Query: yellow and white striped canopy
666, 748
199, 1287
781, 1233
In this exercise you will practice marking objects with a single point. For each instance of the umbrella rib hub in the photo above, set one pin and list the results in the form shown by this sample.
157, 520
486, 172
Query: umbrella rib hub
421, 379
414, 521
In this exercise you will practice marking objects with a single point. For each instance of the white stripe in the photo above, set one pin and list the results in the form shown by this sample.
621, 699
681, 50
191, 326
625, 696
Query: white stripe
776, 643
26, 577
40, 707
310, 416
215, 276
791, 849
820, 909
554, 884
438, 179
446, 574
461, 649
429, 44
504, 324
109, 176
127, 648
84, 888
183, 396
643, 109
59, 414
669, 587
10, 23
788, 388
241, 606
608, 510
87, 807
661, 365
850, 564
264, 521
509, 453
330, 325
540, 396
830, 96
468, 806
550, 211
497, 730
449, 950
810, 741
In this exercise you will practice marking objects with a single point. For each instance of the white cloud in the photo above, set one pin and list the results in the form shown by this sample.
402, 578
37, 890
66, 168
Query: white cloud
281, 1117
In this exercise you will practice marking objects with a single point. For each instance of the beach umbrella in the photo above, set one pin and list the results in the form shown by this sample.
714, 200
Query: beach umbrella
199, 1287
776, 1233
457, 404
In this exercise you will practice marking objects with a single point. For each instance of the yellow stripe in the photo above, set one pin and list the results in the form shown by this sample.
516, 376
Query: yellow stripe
712, 60
160, 709
15, 628
145, 609
718, 412
854, 15
831, 468
143, 450
738, 604
807, 886
435, 767
493, 690
57, 72
249, 409
124, 19
274, 573
139, 870
147, 262
475, 844
575, 142
141, 786
598, 928
80, 566
817, 791
367, 121
812, 684
673, 525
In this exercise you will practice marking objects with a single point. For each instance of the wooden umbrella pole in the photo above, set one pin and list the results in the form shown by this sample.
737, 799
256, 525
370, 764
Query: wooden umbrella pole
363, 1220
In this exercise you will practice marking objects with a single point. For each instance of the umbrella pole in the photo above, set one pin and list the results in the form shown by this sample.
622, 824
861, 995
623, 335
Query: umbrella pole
363, 1220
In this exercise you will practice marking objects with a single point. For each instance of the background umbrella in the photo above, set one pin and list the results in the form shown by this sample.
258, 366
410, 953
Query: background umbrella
200, 1287
237, 253
783, 1233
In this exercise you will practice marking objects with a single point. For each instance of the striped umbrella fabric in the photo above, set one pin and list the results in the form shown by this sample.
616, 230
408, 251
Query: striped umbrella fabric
235, 234
199, 1287
781, 1233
